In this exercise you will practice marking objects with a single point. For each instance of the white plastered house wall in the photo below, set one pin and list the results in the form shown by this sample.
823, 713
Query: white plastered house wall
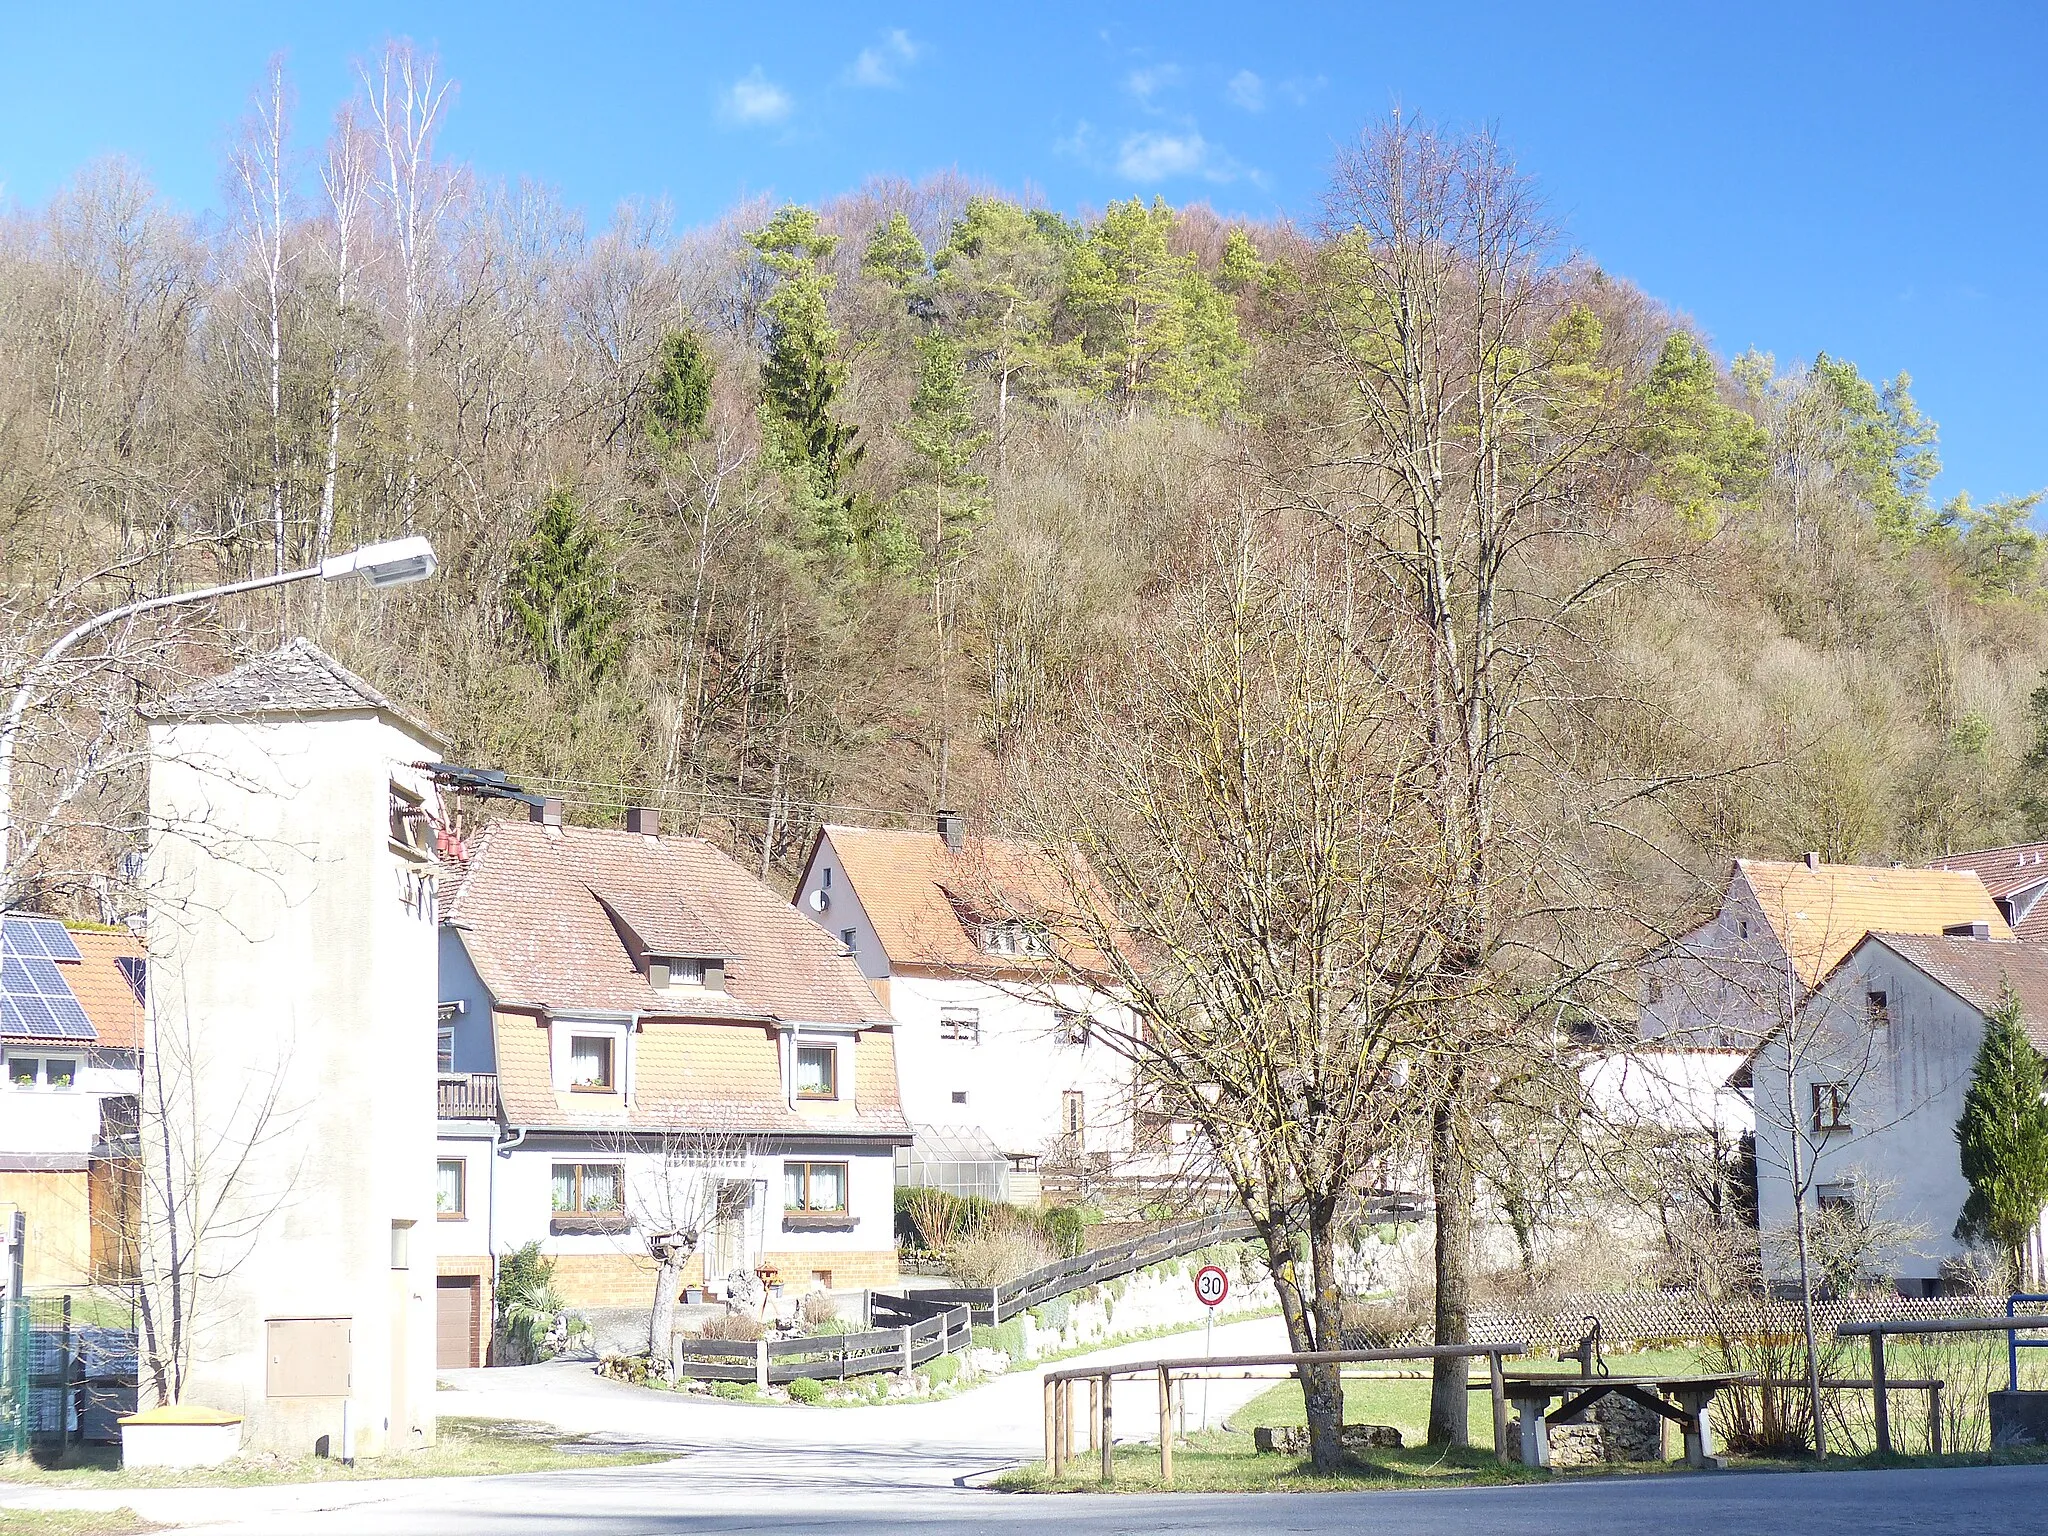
1906, 1081
994, 1055
293, 959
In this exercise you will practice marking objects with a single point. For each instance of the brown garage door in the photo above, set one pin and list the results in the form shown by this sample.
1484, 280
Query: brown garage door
455, 1324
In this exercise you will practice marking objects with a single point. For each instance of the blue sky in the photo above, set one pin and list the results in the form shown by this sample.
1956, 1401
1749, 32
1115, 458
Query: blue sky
1866, 179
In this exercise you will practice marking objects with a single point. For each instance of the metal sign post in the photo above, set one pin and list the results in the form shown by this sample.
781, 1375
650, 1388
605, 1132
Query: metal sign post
1211, 1286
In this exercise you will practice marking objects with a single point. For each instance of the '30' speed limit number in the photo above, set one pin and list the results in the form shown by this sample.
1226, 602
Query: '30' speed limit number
1211, 1285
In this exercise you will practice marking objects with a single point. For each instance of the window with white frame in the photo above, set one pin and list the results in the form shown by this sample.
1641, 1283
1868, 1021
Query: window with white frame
960, 1024
817, 1072
54, 1072
1071, 1026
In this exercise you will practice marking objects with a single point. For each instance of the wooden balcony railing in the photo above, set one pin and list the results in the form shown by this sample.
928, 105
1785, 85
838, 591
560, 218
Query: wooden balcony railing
468, 1096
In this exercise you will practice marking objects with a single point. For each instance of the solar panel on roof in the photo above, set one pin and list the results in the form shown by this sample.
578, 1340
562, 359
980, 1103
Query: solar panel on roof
136, 969
35, 999
21, 934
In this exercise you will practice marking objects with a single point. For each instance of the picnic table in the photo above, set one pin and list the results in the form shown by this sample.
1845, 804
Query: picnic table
1684, 1400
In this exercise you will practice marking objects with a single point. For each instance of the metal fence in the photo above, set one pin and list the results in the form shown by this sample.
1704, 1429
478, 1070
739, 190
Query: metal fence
61, 1380
919, 1326
997, 1304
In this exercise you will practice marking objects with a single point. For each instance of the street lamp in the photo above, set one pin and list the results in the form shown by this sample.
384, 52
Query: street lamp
393, 563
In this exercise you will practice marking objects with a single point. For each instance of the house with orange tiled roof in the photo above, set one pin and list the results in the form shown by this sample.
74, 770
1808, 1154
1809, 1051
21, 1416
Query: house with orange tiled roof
1713, 994
71, 1001
637, 1035
1007, 1078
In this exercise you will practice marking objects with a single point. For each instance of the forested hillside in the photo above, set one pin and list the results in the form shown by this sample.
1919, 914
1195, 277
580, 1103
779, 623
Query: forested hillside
815, 508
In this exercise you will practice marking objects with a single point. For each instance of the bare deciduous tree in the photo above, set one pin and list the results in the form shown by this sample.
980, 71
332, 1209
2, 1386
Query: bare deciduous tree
1230, 806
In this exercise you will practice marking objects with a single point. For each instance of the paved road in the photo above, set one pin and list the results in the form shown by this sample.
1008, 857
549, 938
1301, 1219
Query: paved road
910, 1468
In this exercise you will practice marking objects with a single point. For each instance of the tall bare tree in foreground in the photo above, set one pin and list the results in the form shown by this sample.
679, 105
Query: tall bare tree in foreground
1471, 408
407, 99
262, 179
1243, 856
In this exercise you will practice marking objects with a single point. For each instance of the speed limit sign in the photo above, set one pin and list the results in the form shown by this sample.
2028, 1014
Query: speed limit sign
1211, 1285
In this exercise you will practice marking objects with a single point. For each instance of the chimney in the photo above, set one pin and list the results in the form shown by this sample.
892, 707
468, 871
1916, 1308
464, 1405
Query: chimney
644, 819
548, 813
1813, 861
1967, 931
953, 828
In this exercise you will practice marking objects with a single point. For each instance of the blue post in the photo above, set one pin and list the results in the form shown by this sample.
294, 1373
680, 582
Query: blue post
2013, 1342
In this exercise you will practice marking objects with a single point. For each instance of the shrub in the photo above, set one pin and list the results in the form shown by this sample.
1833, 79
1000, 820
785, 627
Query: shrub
735, 1391
1066, 1229
806, 1389
528, 1303
819, 1309
996, 1253
737, 1327
942, 1370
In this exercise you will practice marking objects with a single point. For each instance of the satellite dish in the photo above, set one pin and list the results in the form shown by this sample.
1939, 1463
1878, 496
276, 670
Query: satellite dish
820, 900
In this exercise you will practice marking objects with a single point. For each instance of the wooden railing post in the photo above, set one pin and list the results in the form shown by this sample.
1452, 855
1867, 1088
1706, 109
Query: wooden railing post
761, 1364
1934, 1418
1499, 1388
1877, 1393
1094, 1411
1052, 1414
1062, 1440
1165, 1427
909, 1357
1108, 1425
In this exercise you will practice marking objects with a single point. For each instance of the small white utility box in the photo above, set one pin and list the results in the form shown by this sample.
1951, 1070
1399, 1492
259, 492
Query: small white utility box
180, 1435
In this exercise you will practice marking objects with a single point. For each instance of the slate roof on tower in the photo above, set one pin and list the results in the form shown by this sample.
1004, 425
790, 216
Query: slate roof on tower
296, 679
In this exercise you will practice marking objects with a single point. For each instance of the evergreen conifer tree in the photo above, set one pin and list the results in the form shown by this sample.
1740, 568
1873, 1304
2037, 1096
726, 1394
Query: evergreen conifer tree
803, 374
681, 390
565, 595
2003, 1137
894, 254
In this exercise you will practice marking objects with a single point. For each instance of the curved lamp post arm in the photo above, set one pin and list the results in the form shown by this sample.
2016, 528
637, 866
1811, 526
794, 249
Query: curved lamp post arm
389, 564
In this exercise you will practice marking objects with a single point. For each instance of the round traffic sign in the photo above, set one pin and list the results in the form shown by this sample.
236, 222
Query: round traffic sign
1211, 1285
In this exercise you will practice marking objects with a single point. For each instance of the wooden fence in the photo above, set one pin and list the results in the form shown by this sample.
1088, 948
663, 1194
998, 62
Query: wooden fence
824, 1356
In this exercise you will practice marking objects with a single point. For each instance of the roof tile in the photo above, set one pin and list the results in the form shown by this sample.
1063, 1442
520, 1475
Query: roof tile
1820, 913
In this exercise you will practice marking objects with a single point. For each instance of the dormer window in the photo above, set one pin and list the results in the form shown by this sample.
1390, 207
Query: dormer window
665, 972
817, 1072
590, 1064
1012, 938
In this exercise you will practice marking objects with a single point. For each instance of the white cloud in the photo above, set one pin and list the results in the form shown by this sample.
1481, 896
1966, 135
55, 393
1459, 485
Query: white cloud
1246, 90
1149, 156
883, 63
754, 99
1149, 82
1299, 88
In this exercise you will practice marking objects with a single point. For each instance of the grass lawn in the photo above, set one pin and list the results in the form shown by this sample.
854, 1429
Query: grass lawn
74, 1522
467, 1448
